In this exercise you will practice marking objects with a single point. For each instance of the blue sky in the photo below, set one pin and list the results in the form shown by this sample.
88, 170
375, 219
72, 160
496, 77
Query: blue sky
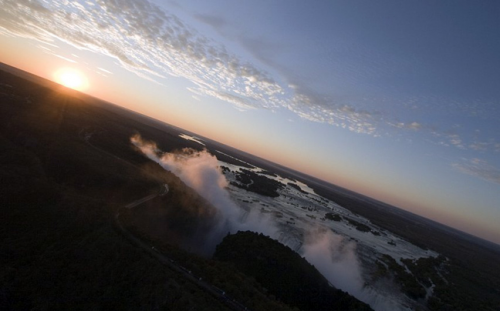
397, 100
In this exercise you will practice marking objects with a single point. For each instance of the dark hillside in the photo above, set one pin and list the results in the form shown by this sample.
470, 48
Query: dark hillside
284, 273
67, 168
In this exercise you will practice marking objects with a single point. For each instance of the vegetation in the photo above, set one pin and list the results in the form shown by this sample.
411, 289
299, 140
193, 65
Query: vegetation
59, 249
427, 270
472, 269
296, 187
409, 284
332, 216
221, 275
67, 167
259, 184
359, 226
287, 276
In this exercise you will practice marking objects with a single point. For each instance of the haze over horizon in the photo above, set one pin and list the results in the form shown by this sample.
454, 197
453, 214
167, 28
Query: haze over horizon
397, 101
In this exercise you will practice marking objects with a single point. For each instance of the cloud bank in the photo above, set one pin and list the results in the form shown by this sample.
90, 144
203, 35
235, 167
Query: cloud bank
479, 168
152, 42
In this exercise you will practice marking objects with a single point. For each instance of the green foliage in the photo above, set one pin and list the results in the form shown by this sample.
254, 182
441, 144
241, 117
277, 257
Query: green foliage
284, 273
67, 166
426, 270
259, 184
472, 271
333, 216
409, 285
60, 192
296, 187
237, 285
359, 226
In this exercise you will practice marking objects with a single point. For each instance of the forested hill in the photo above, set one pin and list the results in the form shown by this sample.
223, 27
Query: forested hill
284, 273
67, 168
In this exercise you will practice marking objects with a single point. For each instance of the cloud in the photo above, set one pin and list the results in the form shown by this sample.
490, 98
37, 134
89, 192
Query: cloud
104, 70
415, 126
490, 145
65, 58
456, 141
152, 42
212, 20
312, 106
479, 168
465, 141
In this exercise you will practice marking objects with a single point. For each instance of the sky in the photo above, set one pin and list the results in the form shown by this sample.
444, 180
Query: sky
397, 100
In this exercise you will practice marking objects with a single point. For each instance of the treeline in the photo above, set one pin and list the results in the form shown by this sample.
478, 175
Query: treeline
285, 274
259, 184
472, 271
59, 250
60, 191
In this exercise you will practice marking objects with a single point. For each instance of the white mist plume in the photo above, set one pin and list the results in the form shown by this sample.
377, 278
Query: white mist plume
335, 259
200, 171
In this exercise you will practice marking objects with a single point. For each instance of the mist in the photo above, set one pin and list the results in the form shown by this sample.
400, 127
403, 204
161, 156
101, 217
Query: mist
333, 256
200, 171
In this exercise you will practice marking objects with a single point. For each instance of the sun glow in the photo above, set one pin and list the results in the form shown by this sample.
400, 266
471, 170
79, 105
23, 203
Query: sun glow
71, 78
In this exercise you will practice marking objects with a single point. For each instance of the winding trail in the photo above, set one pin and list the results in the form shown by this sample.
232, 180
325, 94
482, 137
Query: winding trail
140, 201
154, 252
170, 263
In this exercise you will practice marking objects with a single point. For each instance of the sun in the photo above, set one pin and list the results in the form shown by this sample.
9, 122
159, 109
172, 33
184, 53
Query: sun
71, 78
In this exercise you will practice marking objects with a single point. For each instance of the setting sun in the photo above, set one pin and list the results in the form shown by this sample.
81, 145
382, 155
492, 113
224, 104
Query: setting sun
71, 78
